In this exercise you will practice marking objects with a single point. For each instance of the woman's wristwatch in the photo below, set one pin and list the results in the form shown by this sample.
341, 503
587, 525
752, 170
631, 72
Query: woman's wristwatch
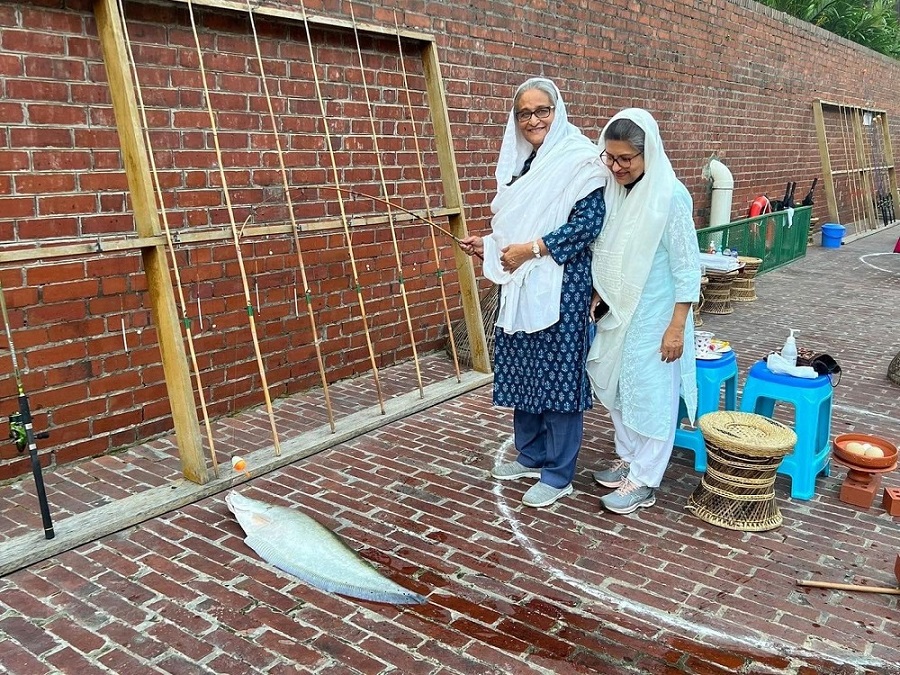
536, 248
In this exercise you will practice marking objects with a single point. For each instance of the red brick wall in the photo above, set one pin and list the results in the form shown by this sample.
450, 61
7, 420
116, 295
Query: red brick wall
730, 79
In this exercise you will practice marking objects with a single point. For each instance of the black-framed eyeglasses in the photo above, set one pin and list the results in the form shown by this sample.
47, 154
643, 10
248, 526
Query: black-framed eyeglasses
622, 160
541, 113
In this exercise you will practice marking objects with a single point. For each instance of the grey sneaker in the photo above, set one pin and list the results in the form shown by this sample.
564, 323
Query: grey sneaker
629, 497
513, 470
541, 494
613, 476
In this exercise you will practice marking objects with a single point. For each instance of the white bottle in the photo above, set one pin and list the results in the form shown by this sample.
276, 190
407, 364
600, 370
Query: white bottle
789, 351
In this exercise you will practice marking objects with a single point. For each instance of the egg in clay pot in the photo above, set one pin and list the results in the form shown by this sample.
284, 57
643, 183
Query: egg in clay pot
873, 451
857, 448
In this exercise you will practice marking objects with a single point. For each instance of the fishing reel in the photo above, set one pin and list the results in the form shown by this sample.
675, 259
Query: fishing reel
19, 434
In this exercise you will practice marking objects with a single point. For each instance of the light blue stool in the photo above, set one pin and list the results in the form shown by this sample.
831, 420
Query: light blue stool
712, 376
811, 399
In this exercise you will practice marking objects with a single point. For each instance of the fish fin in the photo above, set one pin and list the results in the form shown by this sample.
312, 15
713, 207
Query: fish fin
395, 594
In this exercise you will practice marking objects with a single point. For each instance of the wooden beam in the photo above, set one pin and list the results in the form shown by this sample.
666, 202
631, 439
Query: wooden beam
326, 22
827, 174
122, 513
146, 218
453, 198
191, 235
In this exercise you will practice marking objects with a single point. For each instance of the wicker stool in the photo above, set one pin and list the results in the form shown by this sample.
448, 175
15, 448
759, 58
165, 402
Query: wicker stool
717, 297
894, 369
743, 451
744, 287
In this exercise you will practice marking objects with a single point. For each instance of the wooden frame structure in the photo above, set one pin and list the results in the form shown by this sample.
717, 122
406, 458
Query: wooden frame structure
857, 166
150, 239
150, 242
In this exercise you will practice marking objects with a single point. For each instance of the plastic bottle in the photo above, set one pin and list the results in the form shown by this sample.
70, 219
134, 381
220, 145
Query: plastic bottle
789, 351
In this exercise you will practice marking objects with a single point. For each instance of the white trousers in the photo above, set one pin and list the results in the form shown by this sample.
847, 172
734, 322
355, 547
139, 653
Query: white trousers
647, 457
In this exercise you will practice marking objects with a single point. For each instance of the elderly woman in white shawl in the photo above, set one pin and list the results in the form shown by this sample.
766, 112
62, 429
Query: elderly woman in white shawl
548, 210
646, 268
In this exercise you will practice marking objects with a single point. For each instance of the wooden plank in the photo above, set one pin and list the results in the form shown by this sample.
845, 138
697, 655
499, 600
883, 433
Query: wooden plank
453, 198
123, 513
107, 244
831, 104
827, 174
327, 22
146, 218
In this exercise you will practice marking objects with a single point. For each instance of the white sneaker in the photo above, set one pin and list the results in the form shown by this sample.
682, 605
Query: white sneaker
629, 497
513, 470
541, 494
614, 476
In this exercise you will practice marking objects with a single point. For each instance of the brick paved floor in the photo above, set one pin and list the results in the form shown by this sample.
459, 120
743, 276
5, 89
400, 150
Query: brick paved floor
511, 590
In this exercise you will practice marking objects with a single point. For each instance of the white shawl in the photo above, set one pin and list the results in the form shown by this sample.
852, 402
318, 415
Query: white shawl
624, 251
565, 169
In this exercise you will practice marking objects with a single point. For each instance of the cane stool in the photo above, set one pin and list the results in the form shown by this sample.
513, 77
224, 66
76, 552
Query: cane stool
712, 377
717, 296
812, 400
737, 490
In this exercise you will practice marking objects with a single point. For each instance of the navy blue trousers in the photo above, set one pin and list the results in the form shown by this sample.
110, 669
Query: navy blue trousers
549, 441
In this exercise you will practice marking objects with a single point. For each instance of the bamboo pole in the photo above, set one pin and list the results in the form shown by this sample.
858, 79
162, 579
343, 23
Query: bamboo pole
434, 246
344, 221
852, 178
849, 587
294, 226
384, 190
170, 244
237, 242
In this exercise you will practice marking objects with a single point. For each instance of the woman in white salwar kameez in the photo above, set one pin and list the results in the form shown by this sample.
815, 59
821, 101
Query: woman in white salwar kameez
646, 269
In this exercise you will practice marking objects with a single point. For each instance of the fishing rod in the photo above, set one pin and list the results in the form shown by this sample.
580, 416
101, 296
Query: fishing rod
21, 428
406, 211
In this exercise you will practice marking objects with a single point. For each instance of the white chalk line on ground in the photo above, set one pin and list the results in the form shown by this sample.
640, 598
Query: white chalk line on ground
863, 260
657, 617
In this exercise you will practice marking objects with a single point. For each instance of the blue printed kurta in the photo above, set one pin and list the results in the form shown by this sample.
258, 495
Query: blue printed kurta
540, 371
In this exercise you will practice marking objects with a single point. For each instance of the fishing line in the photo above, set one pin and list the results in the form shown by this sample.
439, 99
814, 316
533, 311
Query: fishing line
434, 246
344, 221
294, 227
390, 214
170, 247
22, 428
237, 242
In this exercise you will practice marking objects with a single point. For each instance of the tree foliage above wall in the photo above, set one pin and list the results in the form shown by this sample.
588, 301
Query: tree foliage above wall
871, 23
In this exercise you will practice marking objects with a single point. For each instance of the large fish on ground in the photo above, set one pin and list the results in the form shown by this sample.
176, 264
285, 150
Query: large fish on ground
295, 543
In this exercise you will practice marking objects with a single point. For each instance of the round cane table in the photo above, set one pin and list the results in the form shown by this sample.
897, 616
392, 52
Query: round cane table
743, 453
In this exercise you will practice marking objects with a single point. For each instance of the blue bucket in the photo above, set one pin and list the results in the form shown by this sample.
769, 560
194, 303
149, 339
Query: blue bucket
832, 234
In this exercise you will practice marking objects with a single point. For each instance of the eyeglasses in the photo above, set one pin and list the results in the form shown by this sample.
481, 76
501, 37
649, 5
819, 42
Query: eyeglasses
623, 161
541, 113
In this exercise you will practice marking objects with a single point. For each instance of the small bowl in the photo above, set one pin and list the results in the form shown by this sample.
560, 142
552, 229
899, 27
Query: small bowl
890, 451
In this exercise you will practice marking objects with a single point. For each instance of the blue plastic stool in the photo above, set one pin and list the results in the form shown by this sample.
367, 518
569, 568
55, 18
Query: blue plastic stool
812, 422
711, 377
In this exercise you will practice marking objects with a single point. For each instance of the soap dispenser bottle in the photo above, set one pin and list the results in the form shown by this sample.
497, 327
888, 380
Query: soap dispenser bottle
789, 351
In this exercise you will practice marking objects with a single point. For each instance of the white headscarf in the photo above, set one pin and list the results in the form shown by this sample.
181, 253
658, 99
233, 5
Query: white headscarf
624, 251
565, 169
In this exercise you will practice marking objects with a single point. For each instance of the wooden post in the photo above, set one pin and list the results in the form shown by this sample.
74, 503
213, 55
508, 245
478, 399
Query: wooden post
827, 177
453, 199
146, 218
